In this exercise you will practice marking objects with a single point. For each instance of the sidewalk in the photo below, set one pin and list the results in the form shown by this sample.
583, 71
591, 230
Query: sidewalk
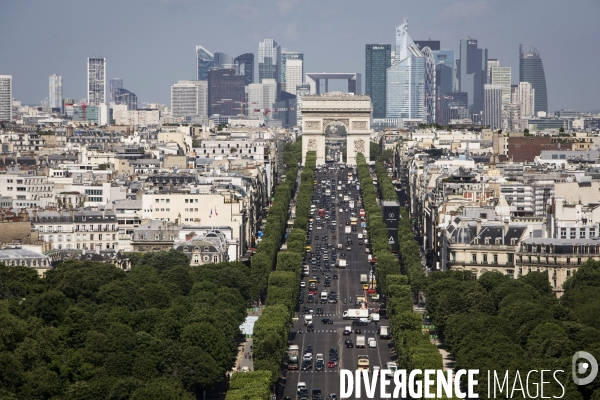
242, 362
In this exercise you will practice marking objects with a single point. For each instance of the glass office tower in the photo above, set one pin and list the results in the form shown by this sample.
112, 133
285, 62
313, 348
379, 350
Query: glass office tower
269, 60
244, 65
472, 73
205, 60
405, 80
531, 70
377, 61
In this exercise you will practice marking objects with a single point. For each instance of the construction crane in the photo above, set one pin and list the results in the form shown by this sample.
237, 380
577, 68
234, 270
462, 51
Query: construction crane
83, 107
265, 112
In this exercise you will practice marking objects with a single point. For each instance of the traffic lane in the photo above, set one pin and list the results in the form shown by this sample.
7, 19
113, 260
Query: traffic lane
328, 379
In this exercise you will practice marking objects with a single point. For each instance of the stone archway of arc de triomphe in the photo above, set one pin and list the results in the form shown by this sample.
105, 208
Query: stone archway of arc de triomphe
353, 111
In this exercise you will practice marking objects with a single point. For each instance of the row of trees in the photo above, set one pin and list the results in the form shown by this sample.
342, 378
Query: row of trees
414, 349
272, 329
264, 260
90, 331
500, 323
378, 238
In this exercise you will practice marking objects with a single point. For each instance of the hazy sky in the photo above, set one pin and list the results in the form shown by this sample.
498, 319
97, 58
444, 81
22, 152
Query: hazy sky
150, 44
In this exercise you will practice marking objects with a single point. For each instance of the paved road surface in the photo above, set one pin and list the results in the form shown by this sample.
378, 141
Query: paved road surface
348, 285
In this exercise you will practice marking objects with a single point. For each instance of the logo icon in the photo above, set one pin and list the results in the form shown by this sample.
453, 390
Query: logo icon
579, 368
391, 215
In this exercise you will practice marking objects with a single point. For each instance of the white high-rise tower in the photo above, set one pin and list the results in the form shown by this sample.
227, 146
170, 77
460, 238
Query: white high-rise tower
5, 97
56, 93
96, 80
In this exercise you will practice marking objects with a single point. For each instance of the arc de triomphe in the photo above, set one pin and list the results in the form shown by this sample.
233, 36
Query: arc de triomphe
353, 111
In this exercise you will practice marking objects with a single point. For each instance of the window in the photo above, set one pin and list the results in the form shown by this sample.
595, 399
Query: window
485, 258
568, 273
474, 257
563, 233
453, 256
495, 258
568, 260
573, 233
582, 233
157, 201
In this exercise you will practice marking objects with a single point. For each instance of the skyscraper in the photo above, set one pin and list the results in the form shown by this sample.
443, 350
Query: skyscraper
56, 92
501, 76
434, 45
377, 61
294, 73
115, 84
244, 65
223, 60
261, 96
204, 62
124, 96
189, 99
526, 99
491, 62
5, 97
283, 71
405, 80
471, 72
96, 80
531, 70
492, 107
444, 79
226, 94
269, 60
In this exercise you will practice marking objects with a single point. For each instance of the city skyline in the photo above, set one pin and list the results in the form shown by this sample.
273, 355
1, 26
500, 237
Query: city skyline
290, 28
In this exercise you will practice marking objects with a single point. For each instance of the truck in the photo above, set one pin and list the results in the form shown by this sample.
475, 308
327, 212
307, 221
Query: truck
355, 313
363, 278
341, 264
351, 204
308, 319
384, 332
360, 341
353, 221
361, 213
348, 230
363, 361
392, 366
345, 198
293, 357
375, 317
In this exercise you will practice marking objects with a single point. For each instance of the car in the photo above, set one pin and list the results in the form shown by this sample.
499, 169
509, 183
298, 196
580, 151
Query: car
333, 357
349, 344
331, 364
310, 328
348, 248
332, 350
372, 342
365, 287
332, 396
301, 386
360, 243
328, 321
358, 331
306, 365
335, 276
327, 284
316, 237
319, 311
302, 284
313, 262
319, 366
343, 254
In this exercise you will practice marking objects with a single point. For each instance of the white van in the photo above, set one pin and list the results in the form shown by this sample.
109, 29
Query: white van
360, 236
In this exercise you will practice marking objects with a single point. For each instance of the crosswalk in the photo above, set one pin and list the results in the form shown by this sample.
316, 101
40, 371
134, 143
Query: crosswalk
364, 332
316, 372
